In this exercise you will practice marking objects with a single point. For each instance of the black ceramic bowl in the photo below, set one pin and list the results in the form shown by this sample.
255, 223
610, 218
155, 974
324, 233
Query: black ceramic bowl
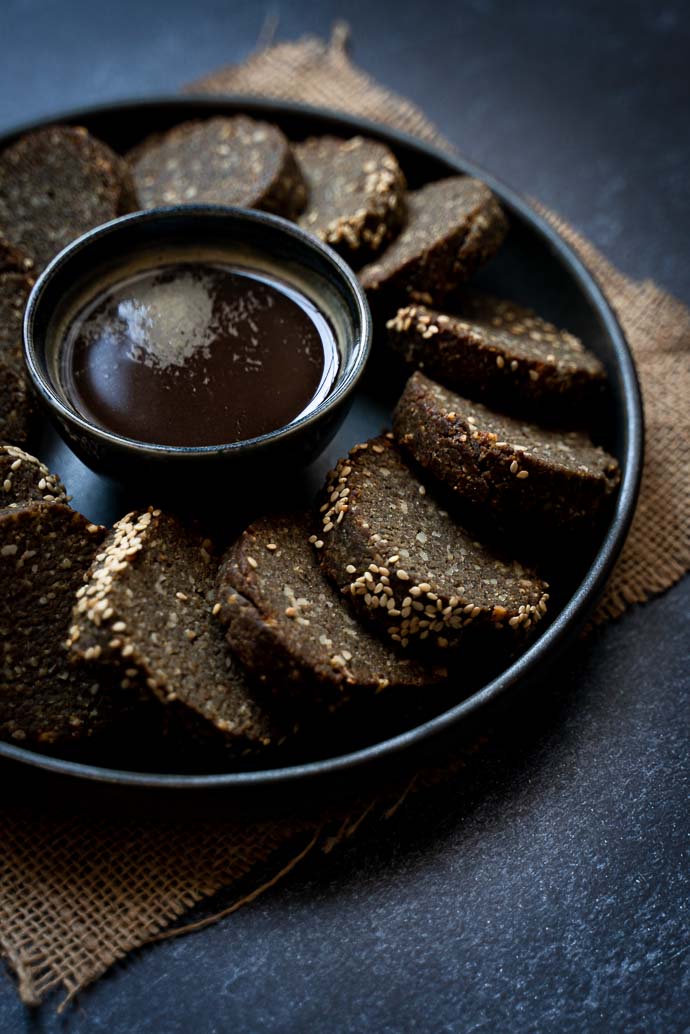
535, 267
265, 243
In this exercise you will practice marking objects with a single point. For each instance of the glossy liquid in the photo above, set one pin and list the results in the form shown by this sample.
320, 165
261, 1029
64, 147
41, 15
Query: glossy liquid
197, 354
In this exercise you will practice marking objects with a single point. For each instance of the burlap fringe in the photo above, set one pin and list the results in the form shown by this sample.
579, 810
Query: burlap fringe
76, 896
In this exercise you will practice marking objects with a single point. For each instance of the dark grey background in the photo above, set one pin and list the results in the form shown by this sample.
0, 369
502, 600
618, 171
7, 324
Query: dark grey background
545, 889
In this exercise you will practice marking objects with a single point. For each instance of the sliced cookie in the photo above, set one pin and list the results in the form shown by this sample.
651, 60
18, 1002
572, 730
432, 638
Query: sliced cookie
55, 184
14, 259
557, 479
499, 352
16, 405
222, 161
146, 612
291, 626
45, 550
356, 194
403, 562
453, 226
24, 479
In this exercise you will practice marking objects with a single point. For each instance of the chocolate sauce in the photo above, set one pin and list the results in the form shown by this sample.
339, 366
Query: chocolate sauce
197, 354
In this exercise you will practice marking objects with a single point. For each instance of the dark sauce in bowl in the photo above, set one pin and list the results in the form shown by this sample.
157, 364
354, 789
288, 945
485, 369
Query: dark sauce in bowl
197, 353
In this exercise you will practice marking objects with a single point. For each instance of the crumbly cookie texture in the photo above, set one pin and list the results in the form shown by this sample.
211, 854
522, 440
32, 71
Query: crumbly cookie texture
14, 259
55, 184
24, 479
147, 612
554, 479
500, 352
293, 629
453, 226
45, 550
16, 405
224, 161
356, 194
404, 563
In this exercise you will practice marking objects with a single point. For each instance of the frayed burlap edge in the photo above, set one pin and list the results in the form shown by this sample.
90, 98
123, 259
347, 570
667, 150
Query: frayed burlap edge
77, 894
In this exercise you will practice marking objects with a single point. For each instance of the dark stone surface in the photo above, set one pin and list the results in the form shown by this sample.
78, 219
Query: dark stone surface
544, 890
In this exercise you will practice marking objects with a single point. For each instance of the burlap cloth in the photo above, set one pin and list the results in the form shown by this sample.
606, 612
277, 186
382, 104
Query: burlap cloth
78, 894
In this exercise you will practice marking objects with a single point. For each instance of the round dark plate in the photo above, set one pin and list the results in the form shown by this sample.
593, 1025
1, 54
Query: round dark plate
535, 267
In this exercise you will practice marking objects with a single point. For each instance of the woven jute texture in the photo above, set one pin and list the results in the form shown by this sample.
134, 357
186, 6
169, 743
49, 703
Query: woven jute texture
76, 893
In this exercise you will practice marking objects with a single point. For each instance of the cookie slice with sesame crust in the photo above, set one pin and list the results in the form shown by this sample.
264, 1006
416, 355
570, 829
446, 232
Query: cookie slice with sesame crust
553, 479
16, 405
500, 352
146, 612
223, 161
453, 227
292, 628
45, 550
24, 479
356, 194
55, 184
404, 563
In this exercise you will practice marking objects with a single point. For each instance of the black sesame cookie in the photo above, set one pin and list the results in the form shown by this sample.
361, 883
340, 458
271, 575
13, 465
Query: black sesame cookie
556, 479
24, 479
292, 628
16, 405
402, 561
224, 161
500, 352
14, 259
356, 194
45, 550
146, 611
55, 184
453, 227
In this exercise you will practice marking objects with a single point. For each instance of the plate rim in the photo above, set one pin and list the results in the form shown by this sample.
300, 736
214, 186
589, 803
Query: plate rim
555, 638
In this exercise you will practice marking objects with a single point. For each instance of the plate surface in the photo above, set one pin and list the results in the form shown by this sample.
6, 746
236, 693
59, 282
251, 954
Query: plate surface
535, 267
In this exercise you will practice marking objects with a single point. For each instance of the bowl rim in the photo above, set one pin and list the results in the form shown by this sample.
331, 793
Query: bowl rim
553, 639
164, 215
